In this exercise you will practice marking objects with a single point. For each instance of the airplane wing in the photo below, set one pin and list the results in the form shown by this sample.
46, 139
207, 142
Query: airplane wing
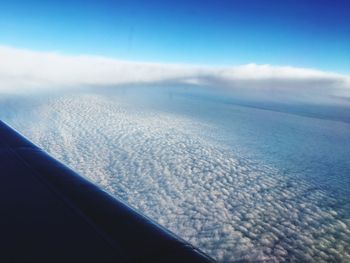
51, 214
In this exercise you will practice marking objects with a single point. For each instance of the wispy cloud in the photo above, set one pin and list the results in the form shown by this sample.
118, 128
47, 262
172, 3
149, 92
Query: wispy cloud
22, 70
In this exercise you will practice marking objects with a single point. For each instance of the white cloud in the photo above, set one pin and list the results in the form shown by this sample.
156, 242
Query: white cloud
168, 166
22, 70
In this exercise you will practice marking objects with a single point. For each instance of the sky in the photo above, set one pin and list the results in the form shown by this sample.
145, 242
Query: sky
310, 34
215, 161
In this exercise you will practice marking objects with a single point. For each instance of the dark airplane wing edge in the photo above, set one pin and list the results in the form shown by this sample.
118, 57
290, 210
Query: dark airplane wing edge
52, 214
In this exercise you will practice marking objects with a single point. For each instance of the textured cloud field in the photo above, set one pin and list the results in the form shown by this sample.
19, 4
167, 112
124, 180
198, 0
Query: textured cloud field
249, 163
197, 167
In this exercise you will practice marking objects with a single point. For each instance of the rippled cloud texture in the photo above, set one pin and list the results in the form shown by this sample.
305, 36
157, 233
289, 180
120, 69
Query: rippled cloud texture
165, 164
185, 160
22, 70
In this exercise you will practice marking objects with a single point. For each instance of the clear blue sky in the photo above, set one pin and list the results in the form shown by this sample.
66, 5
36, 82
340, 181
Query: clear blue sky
300, 33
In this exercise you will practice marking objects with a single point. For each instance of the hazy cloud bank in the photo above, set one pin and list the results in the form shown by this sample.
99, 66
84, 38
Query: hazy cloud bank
22, 70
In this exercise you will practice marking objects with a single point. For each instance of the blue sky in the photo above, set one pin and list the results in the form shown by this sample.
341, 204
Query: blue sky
300, 33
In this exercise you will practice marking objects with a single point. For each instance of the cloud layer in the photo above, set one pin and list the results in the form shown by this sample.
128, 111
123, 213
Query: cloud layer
215, 196
22, 70
190, 174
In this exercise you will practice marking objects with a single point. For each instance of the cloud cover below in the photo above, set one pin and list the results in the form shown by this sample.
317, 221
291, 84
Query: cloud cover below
24, 70
168, 166
161, 161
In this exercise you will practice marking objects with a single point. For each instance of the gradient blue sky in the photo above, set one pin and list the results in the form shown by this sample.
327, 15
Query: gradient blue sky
299, 33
